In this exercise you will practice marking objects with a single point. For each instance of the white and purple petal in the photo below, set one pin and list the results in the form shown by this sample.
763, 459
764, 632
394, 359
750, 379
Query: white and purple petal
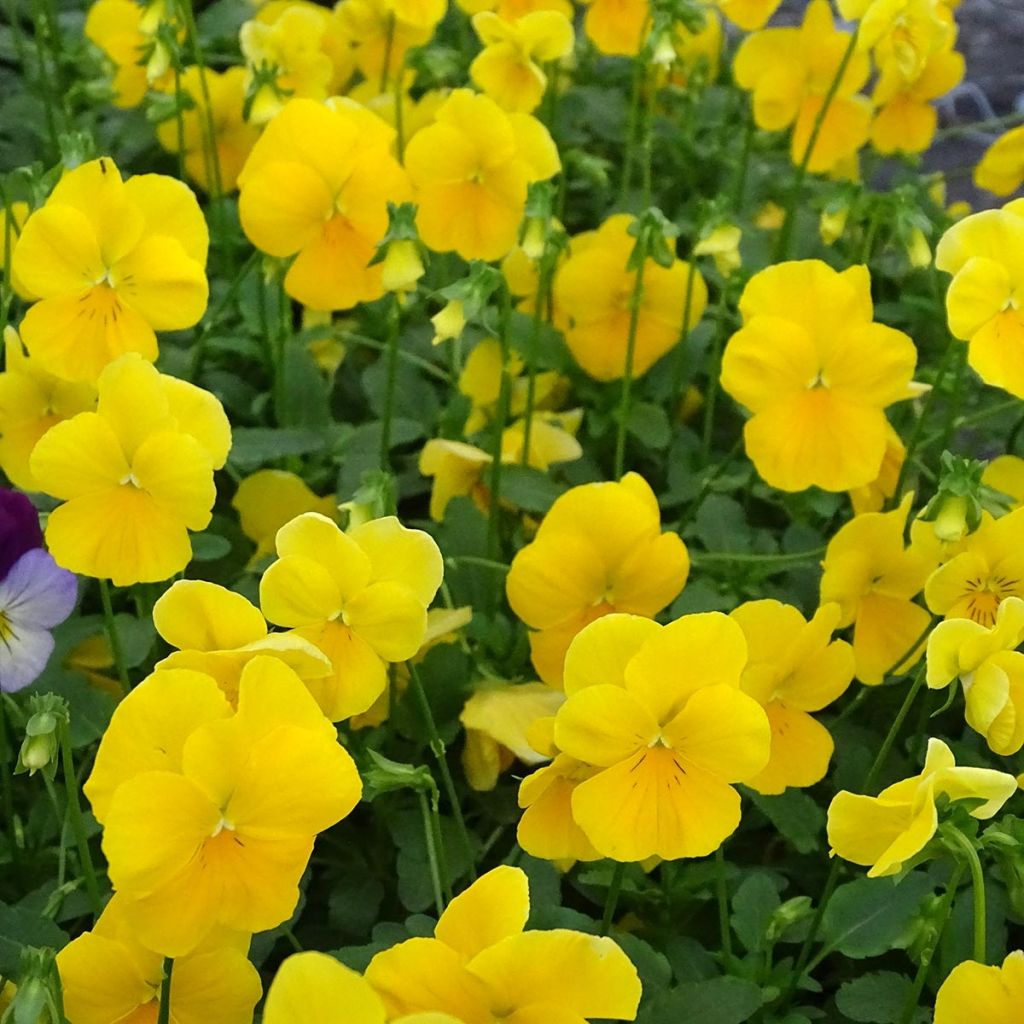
24, 652
37, 593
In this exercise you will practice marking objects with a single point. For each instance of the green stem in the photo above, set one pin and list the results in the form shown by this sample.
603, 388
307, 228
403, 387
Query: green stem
679, 359
915, 435
942, 919
500, 420
804, 956
487, 563
970, 857
45, 82
796, 557
389, 42
179, 118
744, 166
890, 737
394, 323
627, 375
629, 157
165, 992
77, 822
430, 839
543, 284
1006, 121
611, 900
722, 898
399, 112
714, 373
437, 748
786, 234
113, 636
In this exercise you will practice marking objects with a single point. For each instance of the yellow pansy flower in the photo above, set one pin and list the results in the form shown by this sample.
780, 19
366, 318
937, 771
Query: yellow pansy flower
989, 995
985, 301
134, 476
31, 401
107, 975
458, 470
1001, 168
497, 720
790, 71
315, 986
316, 186
906, 120
109, 262
218, 632
901, 32
695, 49
304, 46
116, 27
988, 567
381, 38
360, 597
233, 136
658, 710
817, 373
509, 67
991, 669
570, 575
884, 832
593, 290
793, 667
268, 499
470, 170
246, 792
481, 965
874, 577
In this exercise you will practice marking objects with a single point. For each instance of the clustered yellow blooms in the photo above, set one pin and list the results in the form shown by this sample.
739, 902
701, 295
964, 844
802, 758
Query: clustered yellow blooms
889, 830
316, 187
134, 477
593, 289
816, 371
247, 791
570, 575
480, 965
985, 255
789, 72
359, 597
106, 263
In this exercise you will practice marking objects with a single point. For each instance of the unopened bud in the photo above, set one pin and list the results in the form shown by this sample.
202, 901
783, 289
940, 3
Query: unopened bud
402, 266
449, 322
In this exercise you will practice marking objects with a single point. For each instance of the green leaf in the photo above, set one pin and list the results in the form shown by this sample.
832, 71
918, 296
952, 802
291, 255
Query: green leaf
871, 916
721, 525
876, 998
752, 907
303, 397
209, 547
529, 489
716, 1001
252, 447
649, 423
797, 817
21, 927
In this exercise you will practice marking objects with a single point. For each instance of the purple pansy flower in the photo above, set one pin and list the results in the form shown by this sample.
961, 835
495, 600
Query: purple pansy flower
19, 529
35, 594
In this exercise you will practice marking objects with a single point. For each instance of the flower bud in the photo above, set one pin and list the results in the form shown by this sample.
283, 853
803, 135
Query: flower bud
402, 266
39, 749
664, 53
950, 523
919, 252
534, 238
832, 224
449, 322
